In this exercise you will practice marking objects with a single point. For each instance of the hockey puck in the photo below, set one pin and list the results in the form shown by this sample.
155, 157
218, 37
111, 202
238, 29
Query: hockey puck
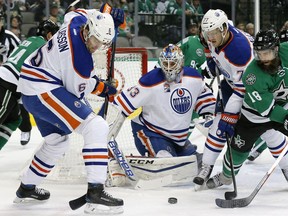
172, 200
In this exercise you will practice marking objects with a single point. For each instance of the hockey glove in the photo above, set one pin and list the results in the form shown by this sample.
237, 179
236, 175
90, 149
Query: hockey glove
116, 13
102, 89
226, 124
207, 73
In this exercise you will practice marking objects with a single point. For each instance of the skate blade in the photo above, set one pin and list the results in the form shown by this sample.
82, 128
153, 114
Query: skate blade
18, 200
97, 209
200, 187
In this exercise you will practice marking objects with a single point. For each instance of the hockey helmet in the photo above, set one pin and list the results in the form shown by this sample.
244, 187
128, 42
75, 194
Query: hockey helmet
171, 61
45, 27
101, 26
214, 19
267, 39
266, 47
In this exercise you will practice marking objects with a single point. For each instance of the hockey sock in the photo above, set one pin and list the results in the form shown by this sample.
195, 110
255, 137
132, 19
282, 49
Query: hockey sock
260, 145
238, 160
6, 131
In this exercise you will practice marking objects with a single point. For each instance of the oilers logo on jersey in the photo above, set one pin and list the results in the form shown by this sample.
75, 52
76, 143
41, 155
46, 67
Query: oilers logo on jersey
181, 100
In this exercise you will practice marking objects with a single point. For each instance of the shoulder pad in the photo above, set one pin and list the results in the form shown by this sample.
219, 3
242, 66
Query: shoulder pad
153, 77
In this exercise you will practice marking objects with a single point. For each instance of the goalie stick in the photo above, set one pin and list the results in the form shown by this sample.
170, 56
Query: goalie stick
243, 202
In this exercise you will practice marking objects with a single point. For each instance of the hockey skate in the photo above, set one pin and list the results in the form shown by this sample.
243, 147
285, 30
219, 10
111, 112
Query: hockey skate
218, 180
28, 194
100, 202
203, 175
25, 137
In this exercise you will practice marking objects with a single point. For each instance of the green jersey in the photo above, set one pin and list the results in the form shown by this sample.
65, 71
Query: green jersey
18, 56
266, 94
193, 52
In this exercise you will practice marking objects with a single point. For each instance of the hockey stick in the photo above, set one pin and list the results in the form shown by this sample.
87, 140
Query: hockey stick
107, 9
71, 5
239, 203
229, 194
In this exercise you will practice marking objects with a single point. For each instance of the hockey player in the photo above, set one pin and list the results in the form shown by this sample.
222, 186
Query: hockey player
8, 42
231, 52
9, 75
260, 146
265, 108
168, 96
53, 81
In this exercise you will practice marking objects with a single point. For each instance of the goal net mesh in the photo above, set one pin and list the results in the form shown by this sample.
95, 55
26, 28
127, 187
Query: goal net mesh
129, 65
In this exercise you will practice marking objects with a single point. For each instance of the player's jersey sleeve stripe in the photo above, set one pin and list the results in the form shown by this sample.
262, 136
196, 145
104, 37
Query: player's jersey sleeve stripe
38, 75
125, 104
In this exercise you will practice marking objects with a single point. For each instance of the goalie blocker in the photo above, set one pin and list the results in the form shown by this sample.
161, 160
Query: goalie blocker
182, 169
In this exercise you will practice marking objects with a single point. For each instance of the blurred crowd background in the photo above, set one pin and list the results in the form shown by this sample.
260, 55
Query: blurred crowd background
150, 23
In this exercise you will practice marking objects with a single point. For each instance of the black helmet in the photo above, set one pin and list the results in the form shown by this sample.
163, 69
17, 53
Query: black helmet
267, 39
284, 36
45, 27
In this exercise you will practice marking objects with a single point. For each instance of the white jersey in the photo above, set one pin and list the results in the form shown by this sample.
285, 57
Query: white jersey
167, 107
232, 59
63, 61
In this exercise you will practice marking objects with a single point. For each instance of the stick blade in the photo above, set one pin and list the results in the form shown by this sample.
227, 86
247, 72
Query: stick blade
236, 203
77, 203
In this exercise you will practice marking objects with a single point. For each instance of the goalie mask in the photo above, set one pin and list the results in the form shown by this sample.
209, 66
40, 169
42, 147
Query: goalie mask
171, 61
266, 46
101, 26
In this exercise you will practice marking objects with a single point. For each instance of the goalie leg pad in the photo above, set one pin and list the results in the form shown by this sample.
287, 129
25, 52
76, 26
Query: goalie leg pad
181, 168
115, 176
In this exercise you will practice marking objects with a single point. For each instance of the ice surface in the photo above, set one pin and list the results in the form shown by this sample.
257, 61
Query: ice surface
271, 200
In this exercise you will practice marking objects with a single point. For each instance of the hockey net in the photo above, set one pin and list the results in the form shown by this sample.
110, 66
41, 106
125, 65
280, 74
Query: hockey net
129, 65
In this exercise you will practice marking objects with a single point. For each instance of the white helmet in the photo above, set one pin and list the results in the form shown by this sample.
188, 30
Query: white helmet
101, 25
214, 19
171, 61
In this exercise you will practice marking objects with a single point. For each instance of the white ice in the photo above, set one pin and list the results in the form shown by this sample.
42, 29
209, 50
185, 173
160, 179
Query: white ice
271, 200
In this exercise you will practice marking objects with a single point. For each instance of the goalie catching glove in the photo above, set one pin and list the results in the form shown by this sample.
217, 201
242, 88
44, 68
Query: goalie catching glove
226, 124
104, 88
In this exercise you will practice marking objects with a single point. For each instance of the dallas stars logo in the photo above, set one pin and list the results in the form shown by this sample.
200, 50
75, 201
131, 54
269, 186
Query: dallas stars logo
238, 141
281, 92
